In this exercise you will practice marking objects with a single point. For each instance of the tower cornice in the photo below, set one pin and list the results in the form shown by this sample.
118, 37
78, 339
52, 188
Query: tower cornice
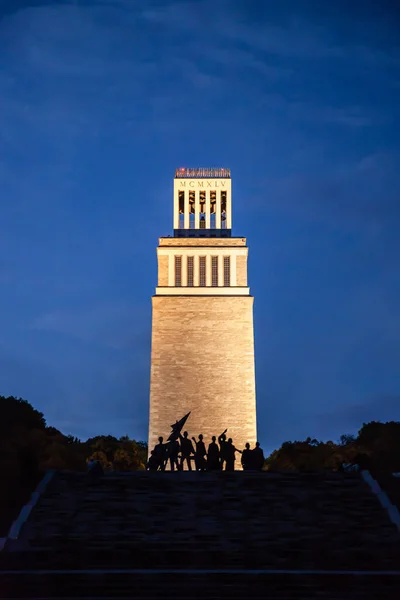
206, 242
203, 173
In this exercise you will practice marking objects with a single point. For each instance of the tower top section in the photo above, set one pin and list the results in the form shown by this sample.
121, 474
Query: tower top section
203, 172
202, 202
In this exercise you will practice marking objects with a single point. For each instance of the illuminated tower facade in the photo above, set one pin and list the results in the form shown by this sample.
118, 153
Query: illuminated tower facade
202, 353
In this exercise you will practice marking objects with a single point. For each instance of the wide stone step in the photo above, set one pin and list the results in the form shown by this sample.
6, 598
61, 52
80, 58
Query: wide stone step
190, 520
202, 584
278, 556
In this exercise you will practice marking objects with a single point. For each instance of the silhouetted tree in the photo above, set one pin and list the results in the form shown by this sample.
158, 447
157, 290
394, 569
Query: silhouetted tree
347, 439
377, 443
28, 447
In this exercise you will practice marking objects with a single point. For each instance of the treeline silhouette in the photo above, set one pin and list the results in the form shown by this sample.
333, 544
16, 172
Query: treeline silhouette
376, 444
28, 447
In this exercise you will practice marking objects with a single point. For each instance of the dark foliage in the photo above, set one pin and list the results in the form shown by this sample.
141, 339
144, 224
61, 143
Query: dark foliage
28, 447
376, 445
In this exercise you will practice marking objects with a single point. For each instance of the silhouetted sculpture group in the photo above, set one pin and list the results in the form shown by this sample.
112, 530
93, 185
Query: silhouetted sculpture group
180, 449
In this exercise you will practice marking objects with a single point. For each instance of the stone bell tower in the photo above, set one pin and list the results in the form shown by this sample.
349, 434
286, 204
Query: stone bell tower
202, 353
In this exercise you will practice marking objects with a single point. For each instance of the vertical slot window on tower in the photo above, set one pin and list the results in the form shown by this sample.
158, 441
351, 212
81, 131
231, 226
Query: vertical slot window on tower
190, 261
213, 208
192, 202
202, 217
181, 207
214, 271
202, 271
227, 271
178, 271
223, 210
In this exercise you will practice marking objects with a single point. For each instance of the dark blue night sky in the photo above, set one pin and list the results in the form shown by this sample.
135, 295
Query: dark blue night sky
101, 100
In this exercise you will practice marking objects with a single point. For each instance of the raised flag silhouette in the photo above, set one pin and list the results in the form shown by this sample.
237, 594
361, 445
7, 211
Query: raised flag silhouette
177, 428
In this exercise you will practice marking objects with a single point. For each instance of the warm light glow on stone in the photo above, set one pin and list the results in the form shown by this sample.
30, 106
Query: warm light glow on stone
202, 354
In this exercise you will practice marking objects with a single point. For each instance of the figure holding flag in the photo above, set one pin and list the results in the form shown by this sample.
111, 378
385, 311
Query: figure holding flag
177, 428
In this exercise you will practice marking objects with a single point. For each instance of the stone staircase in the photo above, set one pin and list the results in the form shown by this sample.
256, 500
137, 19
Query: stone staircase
391, 485
209, 535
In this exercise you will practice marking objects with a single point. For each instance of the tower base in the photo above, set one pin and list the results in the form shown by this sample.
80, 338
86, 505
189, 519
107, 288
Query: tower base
202, 360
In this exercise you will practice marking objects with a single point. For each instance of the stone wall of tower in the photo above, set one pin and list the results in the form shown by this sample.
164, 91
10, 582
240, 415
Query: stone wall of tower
162, 270
241, 270
202, 360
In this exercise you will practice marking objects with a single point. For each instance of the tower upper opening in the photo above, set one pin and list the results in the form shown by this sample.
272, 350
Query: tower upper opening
202, 202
